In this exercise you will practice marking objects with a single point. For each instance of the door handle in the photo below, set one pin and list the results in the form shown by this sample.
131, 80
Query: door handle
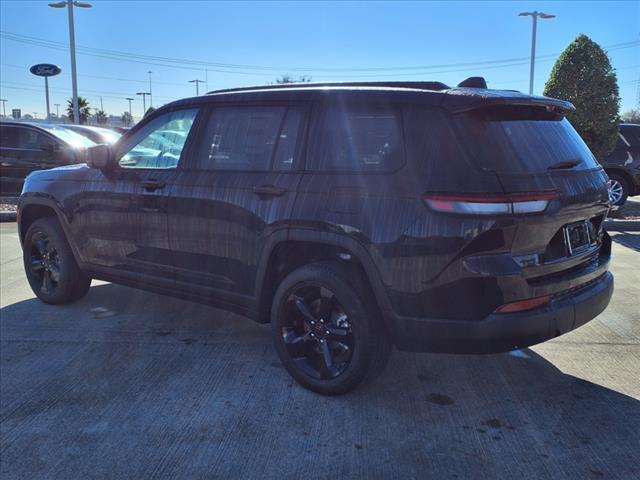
269, 191
151, 185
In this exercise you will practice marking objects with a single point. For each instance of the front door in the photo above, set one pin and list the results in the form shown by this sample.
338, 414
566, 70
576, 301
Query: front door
121, 220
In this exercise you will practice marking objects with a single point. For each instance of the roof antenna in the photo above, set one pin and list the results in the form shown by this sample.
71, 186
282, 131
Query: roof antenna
473, 82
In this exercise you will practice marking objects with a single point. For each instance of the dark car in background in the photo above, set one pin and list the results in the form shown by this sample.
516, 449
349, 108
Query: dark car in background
623, 165
26, 147
352, 217
95, 134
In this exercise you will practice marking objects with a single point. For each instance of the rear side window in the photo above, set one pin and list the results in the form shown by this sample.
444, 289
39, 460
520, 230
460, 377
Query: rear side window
8, 137
241, 138
360, 139
631, 135
522, 146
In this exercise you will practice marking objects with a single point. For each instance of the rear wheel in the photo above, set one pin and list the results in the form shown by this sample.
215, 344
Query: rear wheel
51, 269
326, 330
618, 189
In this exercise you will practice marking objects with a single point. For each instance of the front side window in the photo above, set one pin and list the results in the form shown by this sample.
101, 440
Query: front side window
360, 139
241, 138
32, 139
160, 143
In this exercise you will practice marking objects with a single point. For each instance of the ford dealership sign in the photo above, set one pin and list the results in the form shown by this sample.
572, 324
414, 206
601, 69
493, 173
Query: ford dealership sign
45, 70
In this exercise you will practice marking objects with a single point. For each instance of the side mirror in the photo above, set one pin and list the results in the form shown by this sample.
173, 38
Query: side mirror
100, 156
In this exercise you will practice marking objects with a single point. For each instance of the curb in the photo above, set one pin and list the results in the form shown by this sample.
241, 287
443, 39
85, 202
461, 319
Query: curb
7, 217
622, 225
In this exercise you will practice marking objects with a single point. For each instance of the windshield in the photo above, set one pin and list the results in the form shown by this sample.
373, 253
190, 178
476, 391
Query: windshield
519, 146
72, 138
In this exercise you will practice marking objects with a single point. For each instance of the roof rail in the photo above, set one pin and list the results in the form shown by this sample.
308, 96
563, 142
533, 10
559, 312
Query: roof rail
283, 86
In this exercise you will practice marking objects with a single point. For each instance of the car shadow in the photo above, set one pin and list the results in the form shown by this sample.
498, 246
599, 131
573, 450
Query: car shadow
628, 240
123, 375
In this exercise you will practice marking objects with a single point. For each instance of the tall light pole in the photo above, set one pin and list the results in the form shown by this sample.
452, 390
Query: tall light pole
144, 101
129, 99
72, 47
196, 81
57, 105
4, 101
150, 91
534, 15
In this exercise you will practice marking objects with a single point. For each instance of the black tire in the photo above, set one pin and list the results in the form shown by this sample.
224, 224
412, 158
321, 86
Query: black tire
624, 185
361, 331
51, 269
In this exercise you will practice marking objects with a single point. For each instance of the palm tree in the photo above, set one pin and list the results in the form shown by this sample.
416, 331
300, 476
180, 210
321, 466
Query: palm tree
83, 107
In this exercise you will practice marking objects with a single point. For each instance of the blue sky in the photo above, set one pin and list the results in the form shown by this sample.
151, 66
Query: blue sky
288, 37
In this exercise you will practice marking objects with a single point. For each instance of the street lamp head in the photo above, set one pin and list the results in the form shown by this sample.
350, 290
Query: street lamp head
546, 15
82, 4
58, 5
142, 93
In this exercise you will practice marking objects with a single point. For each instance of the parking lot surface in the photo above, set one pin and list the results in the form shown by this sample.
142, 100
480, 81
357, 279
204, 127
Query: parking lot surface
129, 385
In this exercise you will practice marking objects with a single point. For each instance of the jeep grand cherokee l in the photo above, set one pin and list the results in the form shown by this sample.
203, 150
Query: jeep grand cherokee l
352, 217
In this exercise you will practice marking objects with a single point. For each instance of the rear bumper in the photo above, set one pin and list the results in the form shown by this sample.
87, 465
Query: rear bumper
504, 332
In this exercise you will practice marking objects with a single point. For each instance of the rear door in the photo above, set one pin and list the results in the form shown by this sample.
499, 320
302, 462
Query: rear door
238, 188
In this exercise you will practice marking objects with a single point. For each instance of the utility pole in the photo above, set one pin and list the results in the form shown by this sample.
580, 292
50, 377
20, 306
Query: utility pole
69, 4
101, 107
150, 91
534, 15
4, 111
196, 81
144, 102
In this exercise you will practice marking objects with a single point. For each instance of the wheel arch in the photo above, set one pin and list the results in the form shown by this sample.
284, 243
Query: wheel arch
627, 177
289, 250
31, 208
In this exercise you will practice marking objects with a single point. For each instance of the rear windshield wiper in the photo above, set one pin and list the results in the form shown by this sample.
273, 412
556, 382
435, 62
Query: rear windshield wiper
564, 165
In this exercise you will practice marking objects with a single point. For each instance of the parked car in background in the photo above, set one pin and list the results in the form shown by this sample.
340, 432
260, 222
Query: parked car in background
623, 165
26, 147
352, 217
95, 134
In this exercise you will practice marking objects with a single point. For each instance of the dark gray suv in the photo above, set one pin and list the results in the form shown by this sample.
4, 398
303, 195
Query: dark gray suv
352, 217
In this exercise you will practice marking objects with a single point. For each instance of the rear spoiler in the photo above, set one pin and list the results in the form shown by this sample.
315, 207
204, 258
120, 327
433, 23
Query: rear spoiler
459, 100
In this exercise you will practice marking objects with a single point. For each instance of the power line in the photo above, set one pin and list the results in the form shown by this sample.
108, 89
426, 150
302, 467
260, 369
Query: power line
229, 68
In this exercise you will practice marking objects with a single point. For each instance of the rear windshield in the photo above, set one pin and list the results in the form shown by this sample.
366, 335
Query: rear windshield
523, 145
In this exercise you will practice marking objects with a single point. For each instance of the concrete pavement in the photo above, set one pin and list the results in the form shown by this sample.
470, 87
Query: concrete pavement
128, 385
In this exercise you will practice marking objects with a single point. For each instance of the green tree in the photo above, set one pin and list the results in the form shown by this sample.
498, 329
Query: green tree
101, 117
127, 119
83, 107
583, 75
286, 78
631, 116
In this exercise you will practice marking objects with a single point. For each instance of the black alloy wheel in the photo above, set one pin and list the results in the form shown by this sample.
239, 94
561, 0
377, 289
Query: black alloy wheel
44, 263
316, 332
327, 329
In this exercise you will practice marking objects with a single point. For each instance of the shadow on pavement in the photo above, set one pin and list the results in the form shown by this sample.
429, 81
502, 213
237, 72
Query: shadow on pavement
127, 384
628, 240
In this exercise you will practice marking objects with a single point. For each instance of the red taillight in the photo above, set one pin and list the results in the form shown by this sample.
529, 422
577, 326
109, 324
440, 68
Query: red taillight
490, 205
524, 305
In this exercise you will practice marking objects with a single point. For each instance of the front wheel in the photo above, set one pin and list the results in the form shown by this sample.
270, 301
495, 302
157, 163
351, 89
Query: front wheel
326, 330
51, 269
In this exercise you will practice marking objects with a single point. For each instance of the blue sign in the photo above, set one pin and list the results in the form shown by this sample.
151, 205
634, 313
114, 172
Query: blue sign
45, 70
